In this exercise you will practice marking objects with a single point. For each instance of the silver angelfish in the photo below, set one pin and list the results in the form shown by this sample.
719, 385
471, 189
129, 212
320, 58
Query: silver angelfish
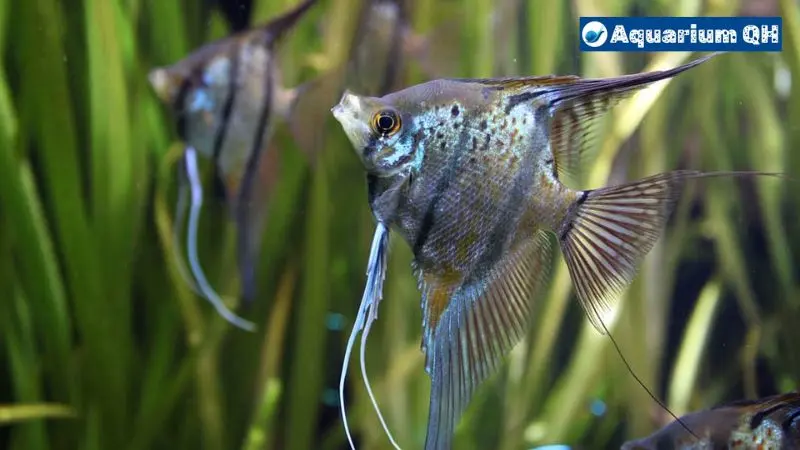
467, 172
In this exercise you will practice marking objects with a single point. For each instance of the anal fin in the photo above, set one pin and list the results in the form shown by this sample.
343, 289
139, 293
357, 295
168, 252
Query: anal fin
466, 341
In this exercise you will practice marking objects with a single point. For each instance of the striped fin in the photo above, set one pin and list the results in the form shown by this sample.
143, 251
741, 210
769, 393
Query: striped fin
520, 83
576, 105
572, 130
466, 341
608, 231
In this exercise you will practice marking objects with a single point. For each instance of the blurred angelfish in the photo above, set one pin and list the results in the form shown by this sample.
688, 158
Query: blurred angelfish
467, 171
771, 423
384, 42
227, 97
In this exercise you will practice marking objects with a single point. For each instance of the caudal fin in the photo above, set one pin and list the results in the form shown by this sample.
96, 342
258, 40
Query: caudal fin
608, 231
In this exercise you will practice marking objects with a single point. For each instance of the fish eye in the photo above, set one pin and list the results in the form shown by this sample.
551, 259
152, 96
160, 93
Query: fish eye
386, 122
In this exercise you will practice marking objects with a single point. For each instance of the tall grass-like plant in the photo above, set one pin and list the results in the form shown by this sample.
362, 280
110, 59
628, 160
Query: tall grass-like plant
104, 346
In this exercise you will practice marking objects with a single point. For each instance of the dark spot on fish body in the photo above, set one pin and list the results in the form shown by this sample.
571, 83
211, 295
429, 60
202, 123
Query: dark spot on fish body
486, 142
543, 115
515, 100
439, 135
474, 144
404, 159
484, 125
550, 164
454, 111
569, 224
582, 198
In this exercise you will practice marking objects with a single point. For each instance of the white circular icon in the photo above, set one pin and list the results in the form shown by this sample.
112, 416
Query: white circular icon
594, 34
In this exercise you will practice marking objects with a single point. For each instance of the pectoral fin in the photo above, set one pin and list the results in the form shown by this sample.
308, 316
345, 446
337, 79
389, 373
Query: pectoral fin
469, 327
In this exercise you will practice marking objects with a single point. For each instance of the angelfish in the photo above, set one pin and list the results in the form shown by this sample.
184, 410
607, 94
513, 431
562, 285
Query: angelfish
384, 43
467, 172
227, 97
770, 423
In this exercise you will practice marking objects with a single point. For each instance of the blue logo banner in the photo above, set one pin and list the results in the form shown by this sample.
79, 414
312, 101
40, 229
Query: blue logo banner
677, 34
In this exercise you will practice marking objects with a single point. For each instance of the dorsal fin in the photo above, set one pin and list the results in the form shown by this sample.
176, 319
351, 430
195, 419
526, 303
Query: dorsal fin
576, 105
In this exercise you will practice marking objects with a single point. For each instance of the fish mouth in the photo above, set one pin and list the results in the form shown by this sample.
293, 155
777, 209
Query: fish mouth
162, 83
337, 111
348, 113
347, 110
348, 102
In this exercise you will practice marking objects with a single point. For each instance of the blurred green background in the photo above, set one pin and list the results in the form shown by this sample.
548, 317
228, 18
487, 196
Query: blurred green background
103, 346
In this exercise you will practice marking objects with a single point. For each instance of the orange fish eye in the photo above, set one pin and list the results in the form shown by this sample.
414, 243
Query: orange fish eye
386, 122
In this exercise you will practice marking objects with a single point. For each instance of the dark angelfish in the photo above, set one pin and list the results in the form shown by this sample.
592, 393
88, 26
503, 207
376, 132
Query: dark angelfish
771, 423
228, 97
467, 172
